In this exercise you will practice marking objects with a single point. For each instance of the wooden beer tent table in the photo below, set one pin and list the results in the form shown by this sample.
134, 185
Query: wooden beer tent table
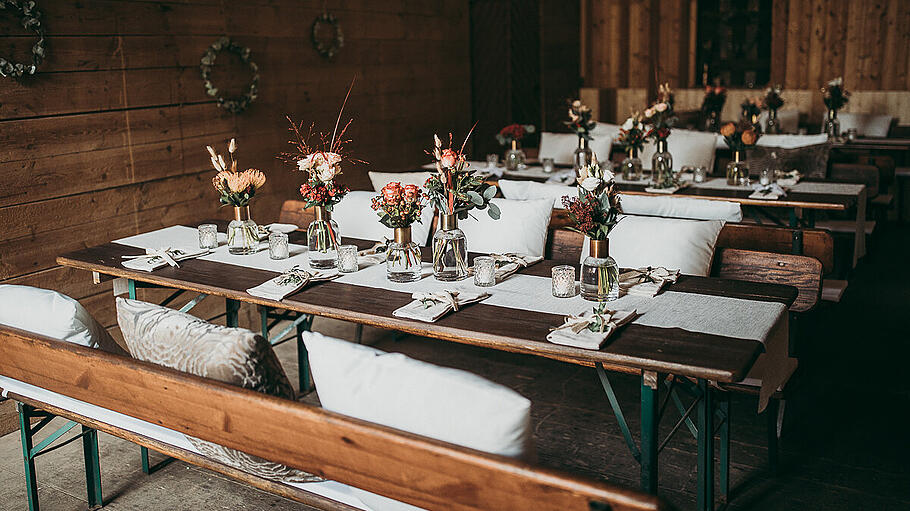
648, 351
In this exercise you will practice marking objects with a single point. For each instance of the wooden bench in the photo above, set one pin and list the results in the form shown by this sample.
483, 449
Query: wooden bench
406, 467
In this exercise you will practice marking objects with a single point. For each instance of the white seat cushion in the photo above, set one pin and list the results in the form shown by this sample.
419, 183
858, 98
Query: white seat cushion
674, 243
561, 146
380, 179
689, 148
791, 141
525, 190
357, 219
53, 314
787, 119
522, 228
397, 391
681, 207
869, 125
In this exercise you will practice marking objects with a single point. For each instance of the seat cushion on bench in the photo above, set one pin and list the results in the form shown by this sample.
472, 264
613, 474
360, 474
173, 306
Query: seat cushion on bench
55, 315
357, 219
522, 228
528, 190
231, 355
681, 207
380, 179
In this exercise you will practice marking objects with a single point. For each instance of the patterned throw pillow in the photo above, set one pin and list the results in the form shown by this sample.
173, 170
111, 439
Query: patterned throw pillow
811, 161
231, 355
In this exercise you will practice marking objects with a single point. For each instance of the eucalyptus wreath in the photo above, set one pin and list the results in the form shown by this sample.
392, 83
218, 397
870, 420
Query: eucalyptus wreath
330, 48
235, 104
30, 17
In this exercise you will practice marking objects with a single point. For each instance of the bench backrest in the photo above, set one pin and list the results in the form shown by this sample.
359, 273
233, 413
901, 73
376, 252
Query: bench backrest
406, 467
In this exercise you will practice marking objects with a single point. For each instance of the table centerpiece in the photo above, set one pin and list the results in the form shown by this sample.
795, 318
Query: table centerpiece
632, 139
835, 97
398, 207
772, 102
738, 138
237, 189
511, 136
581, 123
712, 105
661, 118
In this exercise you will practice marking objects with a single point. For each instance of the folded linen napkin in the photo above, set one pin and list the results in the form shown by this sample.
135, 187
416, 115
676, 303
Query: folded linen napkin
646, 281
429, 307
667, 191
509, 263
562, 177
156, 258
290, 282
373, 255
771, 191
789, 178
590, 330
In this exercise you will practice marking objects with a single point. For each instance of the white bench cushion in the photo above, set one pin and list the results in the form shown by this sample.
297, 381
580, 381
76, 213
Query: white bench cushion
688, 148
561, 146
869, 125
357, 219
791, 141
681, 207
787, 119
522, 228
380, 179
526, 190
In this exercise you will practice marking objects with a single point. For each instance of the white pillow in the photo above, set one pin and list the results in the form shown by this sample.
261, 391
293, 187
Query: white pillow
561, 146
522, 228
524, 190
788, 120
791, 141
53, 314
681, 207
689, 148
380, 179
357, 219
397, 391
674, 243
869, 125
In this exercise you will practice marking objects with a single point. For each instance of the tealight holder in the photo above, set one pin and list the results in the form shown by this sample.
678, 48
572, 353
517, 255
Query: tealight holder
347, 259
492, 160
700, 174
278, 245
766, 177
208, 236
549, 165
484, 271
563, 281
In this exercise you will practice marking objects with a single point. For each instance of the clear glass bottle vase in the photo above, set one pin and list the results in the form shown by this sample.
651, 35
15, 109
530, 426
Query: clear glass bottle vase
450, 250
514, 157
242, 232
582, 157
403, 257
832, 125
773, 122
737, 171
631, 166
662, 167
599, 273
323, 238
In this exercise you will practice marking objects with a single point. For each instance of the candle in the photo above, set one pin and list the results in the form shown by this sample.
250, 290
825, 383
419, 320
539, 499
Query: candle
563, 281
347, 259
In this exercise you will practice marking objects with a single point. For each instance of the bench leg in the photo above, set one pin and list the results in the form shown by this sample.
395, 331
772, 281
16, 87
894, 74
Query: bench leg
25, 434
724, 435
303, 359
92, 466
705, 441
649, 430
232, 309
771, 414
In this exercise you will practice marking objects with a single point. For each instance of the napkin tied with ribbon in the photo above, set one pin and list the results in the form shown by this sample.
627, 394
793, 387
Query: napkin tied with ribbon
374, 255
789, 178
509, 263
589, 330
429, 307
155, 258
772, 191
289, 283
646, 281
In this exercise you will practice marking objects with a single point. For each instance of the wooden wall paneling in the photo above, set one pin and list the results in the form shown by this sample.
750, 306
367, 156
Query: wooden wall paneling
559, 77
780, 31
833, 50
817, 24
639, 44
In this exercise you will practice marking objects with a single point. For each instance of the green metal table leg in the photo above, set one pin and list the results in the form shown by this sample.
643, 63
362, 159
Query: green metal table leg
794, 220
649, 431
92, 466
25, 434
705, 466
724, 477
771, 412
232, 308
303, 359
131, 284
144, 456
264, 321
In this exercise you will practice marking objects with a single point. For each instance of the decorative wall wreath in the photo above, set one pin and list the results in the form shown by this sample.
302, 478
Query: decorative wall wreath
327, 47
236, 104
30, 17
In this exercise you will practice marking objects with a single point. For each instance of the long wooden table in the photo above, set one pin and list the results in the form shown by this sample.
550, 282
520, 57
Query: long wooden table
649, 351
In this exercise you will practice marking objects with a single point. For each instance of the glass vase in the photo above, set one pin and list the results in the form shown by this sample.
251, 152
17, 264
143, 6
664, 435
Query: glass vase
403, 257
450, 251
515, 157
773, 122
582, 157
737, 171
662, 167
242, 232
631, 166
323, 238
599, 274
832, 125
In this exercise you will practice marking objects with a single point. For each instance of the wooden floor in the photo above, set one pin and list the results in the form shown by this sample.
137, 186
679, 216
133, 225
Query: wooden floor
845, 443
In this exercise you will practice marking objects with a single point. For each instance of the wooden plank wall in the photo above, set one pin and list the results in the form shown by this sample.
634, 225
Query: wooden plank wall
108, 139
868, 43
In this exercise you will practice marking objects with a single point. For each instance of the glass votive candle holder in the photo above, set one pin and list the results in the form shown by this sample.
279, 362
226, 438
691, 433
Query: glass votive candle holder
549, 165
563, 281
852, 134
208, 236
278, 245
347, 259
484, 271
766, 177
700, 174
492, 160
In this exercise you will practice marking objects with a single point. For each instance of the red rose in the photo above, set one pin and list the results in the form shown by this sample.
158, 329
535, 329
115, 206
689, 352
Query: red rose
391, 192
411, 193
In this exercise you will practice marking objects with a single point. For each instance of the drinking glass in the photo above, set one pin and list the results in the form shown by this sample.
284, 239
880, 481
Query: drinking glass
484, 271
347, 259
278, 245
563, 281
208, 236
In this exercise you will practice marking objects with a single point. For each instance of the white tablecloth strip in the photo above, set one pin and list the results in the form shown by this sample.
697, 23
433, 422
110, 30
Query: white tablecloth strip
708, 314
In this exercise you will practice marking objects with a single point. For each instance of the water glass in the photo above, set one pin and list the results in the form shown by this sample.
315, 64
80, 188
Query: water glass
278, 245
484, 271
492, 160
208, 236
700, 174
549, 165
563, 281
347, 259
766, 177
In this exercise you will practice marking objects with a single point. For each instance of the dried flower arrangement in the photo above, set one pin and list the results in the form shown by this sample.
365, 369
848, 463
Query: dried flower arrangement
236, 188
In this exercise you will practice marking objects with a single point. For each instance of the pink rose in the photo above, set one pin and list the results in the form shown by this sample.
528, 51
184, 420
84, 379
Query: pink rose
660, 107
391, 192
448, 158
411, 192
